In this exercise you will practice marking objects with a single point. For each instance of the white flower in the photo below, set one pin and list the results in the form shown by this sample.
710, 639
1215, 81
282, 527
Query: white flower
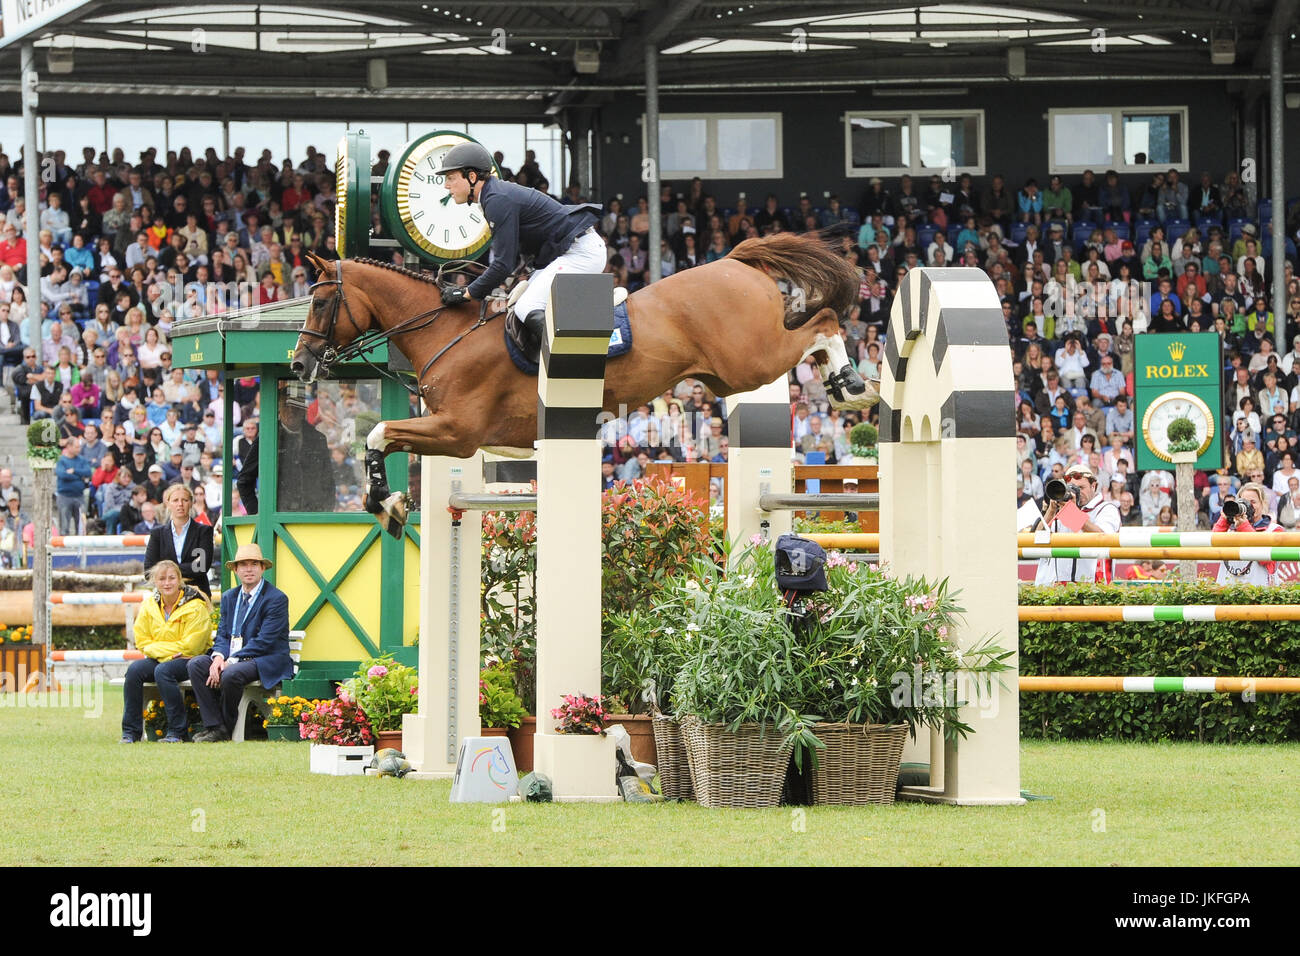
692, 585
854, 682
669, 631
747, 580
853, 662
692, 626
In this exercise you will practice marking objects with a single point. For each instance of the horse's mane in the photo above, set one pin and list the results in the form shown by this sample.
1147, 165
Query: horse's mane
828, 279
428, 277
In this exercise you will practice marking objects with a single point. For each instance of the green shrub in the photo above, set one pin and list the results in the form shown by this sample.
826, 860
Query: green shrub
864, 435
1199, 649
96, 637
498, 704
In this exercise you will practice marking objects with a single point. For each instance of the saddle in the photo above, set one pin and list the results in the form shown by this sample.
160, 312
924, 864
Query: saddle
620, 341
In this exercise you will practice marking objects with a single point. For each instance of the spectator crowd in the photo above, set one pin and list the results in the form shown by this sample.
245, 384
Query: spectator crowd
1081, 268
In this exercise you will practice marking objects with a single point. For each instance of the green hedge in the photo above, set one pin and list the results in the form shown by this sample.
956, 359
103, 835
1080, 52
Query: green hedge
97, 637
1209, 649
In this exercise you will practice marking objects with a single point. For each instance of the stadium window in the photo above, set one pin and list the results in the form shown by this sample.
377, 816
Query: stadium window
1126, 139
917, 142
720, 145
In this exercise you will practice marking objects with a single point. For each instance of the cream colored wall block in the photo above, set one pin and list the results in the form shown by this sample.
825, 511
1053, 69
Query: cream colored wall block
759, 456
945, 483
581, 767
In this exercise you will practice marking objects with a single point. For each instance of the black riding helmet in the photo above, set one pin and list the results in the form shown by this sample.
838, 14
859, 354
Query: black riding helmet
466, 156
800, 564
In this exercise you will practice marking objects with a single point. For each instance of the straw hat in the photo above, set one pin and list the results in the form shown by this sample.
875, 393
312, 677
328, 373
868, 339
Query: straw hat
248, 552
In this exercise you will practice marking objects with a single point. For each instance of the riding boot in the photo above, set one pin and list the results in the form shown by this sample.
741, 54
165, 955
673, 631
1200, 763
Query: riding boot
535, 332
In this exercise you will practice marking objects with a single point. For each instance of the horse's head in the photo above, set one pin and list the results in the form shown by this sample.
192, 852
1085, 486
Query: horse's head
333, 320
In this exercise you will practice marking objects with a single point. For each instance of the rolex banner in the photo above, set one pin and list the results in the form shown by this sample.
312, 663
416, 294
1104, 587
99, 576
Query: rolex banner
1190, 364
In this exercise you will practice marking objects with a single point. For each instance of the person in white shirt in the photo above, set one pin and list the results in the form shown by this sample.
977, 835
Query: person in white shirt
1072, 363
1102, 516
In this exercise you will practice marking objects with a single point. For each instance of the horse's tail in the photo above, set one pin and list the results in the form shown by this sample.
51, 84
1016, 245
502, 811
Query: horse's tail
809, 262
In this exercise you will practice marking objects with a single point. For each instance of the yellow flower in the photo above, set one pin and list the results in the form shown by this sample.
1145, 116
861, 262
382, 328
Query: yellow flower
157, 733
275, 712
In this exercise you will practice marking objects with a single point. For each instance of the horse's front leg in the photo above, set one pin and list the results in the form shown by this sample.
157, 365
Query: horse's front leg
847, 388
428, 435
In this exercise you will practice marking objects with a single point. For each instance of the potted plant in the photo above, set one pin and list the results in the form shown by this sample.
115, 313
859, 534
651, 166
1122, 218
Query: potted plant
284, 715
862, 441
639, 660
579, 755
385, 690
833, 683
341, 737
500, 708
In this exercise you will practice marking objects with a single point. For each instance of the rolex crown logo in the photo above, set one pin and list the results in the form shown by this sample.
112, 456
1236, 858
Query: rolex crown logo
1176, 351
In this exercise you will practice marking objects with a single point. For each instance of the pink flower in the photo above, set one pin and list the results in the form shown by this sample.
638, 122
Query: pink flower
943, 631
755, 539
379, 670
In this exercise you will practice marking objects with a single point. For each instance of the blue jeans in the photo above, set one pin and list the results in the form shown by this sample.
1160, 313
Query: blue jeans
167, 675
69, 513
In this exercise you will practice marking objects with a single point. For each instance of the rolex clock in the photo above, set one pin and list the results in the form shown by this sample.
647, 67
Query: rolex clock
418, 209
1167, 408
352, 195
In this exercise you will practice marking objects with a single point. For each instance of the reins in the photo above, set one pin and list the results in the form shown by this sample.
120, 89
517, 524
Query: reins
367, 341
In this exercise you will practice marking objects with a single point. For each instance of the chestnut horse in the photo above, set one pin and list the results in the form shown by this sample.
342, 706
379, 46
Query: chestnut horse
730, 324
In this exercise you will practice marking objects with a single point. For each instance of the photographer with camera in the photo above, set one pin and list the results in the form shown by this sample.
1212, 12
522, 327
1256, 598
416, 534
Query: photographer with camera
1247, 511
1079, 488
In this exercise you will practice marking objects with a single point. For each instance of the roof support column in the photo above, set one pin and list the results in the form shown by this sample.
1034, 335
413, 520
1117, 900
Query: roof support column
1277, 189
31, 197
650, 168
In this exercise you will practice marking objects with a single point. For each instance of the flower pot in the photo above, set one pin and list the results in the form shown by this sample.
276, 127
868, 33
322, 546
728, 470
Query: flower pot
521, 742
494, 732
859, 764
388, 738
670, 749
640, 727
744, 767
282, 732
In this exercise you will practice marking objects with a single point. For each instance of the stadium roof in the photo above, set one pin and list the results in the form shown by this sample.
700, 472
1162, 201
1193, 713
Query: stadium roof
500, 56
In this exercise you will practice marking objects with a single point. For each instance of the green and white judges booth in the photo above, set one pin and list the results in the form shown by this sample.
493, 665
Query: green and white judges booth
353, 589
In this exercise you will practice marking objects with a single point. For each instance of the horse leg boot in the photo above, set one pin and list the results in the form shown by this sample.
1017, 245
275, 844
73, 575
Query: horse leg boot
389, 507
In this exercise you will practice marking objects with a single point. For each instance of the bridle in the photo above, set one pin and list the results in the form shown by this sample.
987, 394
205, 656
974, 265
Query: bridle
369, 340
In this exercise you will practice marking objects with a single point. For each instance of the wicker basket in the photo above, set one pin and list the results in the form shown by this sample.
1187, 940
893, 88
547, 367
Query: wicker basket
741, 768
859, 765
674, 771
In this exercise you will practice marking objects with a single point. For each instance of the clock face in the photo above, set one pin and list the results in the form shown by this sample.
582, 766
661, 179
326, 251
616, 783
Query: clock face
1162, 412
419, 210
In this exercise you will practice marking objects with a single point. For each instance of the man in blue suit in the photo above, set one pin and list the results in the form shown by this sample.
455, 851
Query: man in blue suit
252, 643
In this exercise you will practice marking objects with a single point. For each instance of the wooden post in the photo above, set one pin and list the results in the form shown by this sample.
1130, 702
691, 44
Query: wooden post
43, 482
1184, 478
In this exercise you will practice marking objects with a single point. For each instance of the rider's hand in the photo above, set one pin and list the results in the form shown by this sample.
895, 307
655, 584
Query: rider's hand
455, 296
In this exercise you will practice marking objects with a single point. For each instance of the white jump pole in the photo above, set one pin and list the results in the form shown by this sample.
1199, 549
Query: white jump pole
570, 389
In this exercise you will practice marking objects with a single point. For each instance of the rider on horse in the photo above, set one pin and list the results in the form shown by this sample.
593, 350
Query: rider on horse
561, 238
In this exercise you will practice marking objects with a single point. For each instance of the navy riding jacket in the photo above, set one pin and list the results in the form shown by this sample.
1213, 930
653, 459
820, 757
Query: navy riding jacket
525, 220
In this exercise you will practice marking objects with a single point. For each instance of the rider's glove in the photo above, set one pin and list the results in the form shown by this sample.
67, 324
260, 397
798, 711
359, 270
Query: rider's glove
455, 296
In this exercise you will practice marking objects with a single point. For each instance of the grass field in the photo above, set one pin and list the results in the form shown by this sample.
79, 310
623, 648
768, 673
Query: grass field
77, 797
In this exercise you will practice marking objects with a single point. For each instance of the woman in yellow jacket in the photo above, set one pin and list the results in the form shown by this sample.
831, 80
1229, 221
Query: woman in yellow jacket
174, 624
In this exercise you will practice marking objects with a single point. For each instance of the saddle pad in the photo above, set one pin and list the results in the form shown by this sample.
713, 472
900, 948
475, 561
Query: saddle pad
620, 341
